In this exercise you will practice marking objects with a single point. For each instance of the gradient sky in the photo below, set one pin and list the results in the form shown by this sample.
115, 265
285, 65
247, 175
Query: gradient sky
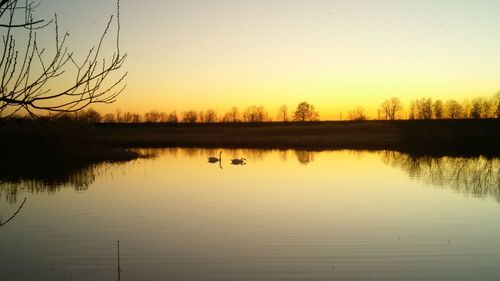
188, 54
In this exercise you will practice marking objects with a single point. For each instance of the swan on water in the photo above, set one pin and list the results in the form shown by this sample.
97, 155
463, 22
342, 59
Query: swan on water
215, 159
241, 161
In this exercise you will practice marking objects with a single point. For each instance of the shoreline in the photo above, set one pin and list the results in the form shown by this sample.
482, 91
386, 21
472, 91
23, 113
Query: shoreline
34, 149
436, 137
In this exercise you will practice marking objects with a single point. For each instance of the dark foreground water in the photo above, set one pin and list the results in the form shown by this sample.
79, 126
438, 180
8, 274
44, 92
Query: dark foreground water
285, 215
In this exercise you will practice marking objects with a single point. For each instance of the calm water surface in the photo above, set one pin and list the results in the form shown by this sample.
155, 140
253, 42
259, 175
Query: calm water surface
285, 215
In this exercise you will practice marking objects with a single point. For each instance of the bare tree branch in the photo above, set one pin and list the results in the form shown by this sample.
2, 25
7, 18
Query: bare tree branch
26, 73
2, 223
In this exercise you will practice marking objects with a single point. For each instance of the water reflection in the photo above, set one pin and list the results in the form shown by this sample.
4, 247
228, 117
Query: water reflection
478, 176
48, 180
305, 157
343, 216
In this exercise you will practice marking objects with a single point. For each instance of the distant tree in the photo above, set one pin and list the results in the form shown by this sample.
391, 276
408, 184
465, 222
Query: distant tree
424, 108
232, 115
189, 116
201, 116
496, 104
481, 108
255, 114
305, 112
172, 117
152, 117
163, 117
357, 114
466, 105
413, 111
391, 108
130, 117
488, 109
454, 109
118, 116
136, 118
89, 116
210, 116
109, 118
92, 116
226, 118
127, 117
438, 107
283, 113
476, 108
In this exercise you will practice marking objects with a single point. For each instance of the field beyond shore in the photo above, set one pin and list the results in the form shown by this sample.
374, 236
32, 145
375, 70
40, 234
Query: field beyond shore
414, 136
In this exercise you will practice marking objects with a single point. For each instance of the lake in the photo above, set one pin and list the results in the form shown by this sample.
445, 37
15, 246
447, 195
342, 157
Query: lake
284, 215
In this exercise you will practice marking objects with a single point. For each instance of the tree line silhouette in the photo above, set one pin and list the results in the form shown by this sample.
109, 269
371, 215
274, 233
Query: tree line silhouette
390, 109
252, 114
427, 108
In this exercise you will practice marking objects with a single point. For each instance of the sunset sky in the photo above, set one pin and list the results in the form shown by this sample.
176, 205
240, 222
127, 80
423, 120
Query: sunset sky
188, 54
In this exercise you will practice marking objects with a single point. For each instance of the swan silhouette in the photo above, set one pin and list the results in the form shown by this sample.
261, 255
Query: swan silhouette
241, 161
215, 159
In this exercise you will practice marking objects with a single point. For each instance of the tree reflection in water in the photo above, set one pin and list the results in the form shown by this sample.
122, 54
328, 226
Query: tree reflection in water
474, 176
46, 180
305, 157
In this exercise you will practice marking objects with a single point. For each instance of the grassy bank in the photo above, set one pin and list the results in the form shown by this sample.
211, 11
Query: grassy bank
457, 137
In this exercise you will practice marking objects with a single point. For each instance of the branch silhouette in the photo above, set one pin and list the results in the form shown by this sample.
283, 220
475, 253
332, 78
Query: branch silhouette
26, 74
2, 223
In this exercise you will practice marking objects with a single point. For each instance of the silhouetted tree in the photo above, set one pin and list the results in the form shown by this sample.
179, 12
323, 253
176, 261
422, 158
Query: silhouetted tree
29, 73
152, 116
131, 117
438, 109
89, 116
391, 108
454, 109
496, 104
476, 108
481, 108
127, 117
305, 112
424, 108
109, 118
357, 114
210, 116
172, 117
201, 117
412, 111
232, 115
255, 114
189, 116
283, 113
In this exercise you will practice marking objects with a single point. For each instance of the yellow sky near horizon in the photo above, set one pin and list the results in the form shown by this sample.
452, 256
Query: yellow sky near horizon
195, 54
